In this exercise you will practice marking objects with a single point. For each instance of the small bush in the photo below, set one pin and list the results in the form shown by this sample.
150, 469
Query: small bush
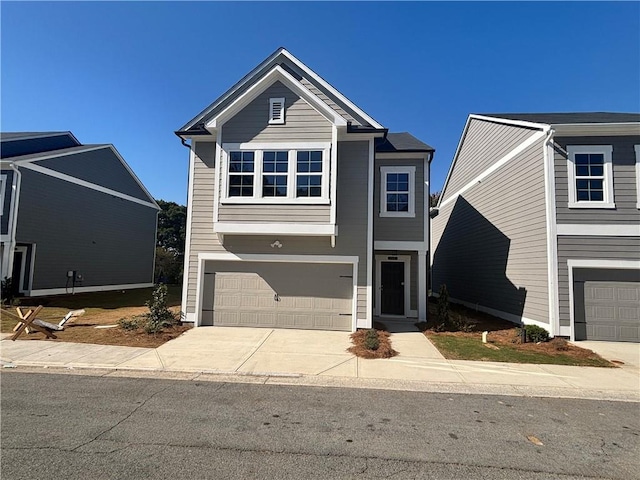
463, 324
560, 344
443, 316
371, 340
129, 323
534, 333
7, 293
159, 315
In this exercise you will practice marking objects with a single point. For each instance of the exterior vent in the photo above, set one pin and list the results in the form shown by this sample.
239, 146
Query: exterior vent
276, 110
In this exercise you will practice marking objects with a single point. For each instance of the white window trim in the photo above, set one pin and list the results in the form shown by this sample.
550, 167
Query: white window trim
3, 186
291, 198
411, 170
637, 149
272, 102
606, 151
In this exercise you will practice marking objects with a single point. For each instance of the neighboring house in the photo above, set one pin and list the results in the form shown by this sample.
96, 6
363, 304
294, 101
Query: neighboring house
539, 222
75, 218
303, 211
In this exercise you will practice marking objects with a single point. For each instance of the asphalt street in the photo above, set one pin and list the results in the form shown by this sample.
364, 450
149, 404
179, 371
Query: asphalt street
84, 427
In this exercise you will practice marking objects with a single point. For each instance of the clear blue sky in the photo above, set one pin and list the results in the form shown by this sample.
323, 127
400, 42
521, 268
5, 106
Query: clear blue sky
132, 73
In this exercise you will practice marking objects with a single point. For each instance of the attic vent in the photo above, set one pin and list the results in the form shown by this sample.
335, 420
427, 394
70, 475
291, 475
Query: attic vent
276, 110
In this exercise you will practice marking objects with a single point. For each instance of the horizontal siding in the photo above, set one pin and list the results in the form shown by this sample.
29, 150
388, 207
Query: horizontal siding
624, 183
302, 122
330, 102
306, 214
108, 240
490, 243
592, 248
399, 228
483, 145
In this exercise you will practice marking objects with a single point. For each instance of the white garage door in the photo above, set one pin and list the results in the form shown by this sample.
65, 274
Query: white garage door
284, 295
612, 311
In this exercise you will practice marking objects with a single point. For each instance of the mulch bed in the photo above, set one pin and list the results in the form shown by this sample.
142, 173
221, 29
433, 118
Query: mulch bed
360, 350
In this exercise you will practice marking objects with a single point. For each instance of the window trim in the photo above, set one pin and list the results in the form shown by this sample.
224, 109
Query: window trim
637, 149
292, 149
3, 186
273, 101
607, 184
411, 170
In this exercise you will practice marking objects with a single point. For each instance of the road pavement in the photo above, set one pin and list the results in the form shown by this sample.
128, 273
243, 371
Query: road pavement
81, 427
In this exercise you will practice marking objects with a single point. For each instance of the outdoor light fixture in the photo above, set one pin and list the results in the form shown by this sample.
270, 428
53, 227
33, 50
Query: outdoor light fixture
276, 244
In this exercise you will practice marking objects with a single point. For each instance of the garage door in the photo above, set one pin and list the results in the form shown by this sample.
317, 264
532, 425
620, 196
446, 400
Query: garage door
284, 295
612, 311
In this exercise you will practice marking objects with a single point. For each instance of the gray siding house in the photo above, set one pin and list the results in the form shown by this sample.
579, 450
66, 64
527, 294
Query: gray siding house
75, 218
539, 222
303, 211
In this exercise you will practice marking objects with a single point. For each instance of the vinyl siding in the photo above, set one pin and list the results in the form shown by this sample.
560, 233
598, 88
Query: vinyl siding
302, 122
483, 145
307, 214
624, 183
329, 101
6, 201
108, 240
596, 248
399, 228
489, 245
101, 167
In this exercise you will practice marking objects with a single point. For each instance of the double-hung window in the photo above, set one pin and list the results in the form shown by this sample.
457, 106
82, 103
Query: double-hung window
590, 175
276, 173
397, 192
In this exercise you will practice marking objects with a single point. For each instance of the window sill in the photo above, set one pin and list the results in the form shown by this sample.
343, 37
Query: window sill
398, 214
593, 205
275, 201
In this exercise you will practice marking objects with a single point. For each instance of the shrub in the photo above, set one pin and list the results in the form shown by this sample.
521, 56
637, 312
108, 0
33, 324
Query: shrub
463, 324
560, 344
127, 323
443, 316
7, 293
371, 341
159, 315
535, 334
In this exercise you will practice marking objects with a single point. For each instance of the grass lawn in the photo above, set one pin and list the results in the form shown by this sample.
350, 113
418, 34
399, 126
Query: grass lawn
102, 308
503, 344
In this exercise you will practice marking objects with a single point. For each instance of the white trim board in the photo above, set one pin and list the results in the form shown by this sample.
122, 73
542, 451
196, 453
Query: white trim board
592, 263
406, 259
3, 187
274, 228
552, 237
637, 149
97, 288
494, 167
187, 246
604, 230
368, 322
89, 185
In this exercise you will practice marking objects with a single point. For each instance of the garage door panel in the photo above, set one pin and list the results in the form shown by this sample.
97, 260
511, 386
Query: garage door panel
612, 311
280, 295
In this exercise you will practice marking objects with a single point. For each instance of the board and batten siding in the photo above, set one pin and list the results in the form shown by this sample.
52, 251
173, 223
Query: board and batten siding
591, 248
108, 240
483, 145
490, 243
405, 229
624, 183
351, 218
302, 122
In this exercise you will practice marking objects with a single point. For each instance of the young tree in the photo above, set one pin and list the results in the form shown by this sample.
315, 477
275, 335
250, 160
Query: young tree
170, 244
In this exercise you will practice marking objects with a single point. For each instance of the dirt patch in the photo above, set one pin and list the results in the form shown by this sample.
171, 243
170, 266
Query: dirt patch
359, 349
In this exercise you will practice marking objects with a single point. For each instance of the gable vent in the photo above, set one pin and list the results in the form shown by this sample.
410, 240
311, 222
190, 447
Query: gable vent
276, 110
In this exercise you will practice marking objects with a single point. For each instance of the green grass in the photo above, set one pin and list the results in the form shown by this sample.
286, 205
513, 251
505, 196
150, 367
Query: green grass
466, 348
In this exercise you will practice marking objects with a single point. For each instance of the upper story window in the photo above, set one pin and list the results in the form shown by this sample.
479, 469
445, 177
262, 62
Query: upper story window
397, 191
590, 175
276, 110
275, 173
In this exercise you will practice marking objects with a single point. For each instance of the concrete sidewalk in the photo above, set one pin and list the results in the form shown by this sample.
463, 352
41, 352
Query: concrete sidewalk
321, 358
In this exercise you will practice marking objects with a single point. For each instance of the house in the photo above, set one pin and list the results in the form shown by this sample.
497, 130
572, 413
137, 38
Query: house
303, 211
539, 222
75, 218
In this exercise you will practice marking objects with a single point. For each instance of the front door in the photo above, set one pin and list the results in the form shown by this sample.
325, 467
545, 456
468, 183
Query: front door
392, 288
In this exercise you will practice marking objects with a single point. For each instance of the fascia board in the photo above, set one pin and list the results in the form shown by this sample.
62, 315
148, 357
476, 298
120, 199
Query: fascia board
277, 73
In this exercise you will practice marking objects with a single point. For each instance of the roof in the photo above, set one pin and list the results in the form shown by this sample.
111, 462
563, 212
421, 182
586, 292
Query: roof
401, 142
57, 153
302, 73
569, 117
8, 136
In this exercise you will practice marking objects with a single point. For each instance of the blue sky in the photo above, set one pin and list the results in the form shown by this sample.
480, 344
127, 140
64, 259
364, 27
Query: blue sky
132, 73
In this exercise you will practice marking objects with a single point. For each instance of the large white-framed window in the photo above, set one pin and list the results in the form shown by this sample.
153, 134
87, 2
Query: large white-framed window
265, 173
590, 176
397, 191
637, 148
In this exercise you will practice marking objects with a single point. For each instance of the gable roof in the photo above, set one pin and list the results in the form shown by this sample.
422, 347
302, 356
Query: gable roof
302, 74
401, 142
569, 118
9, 136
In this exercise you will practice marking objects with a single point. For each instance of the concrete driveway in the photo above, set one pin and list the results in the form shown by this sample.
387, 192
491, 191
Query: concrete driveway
626, 352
